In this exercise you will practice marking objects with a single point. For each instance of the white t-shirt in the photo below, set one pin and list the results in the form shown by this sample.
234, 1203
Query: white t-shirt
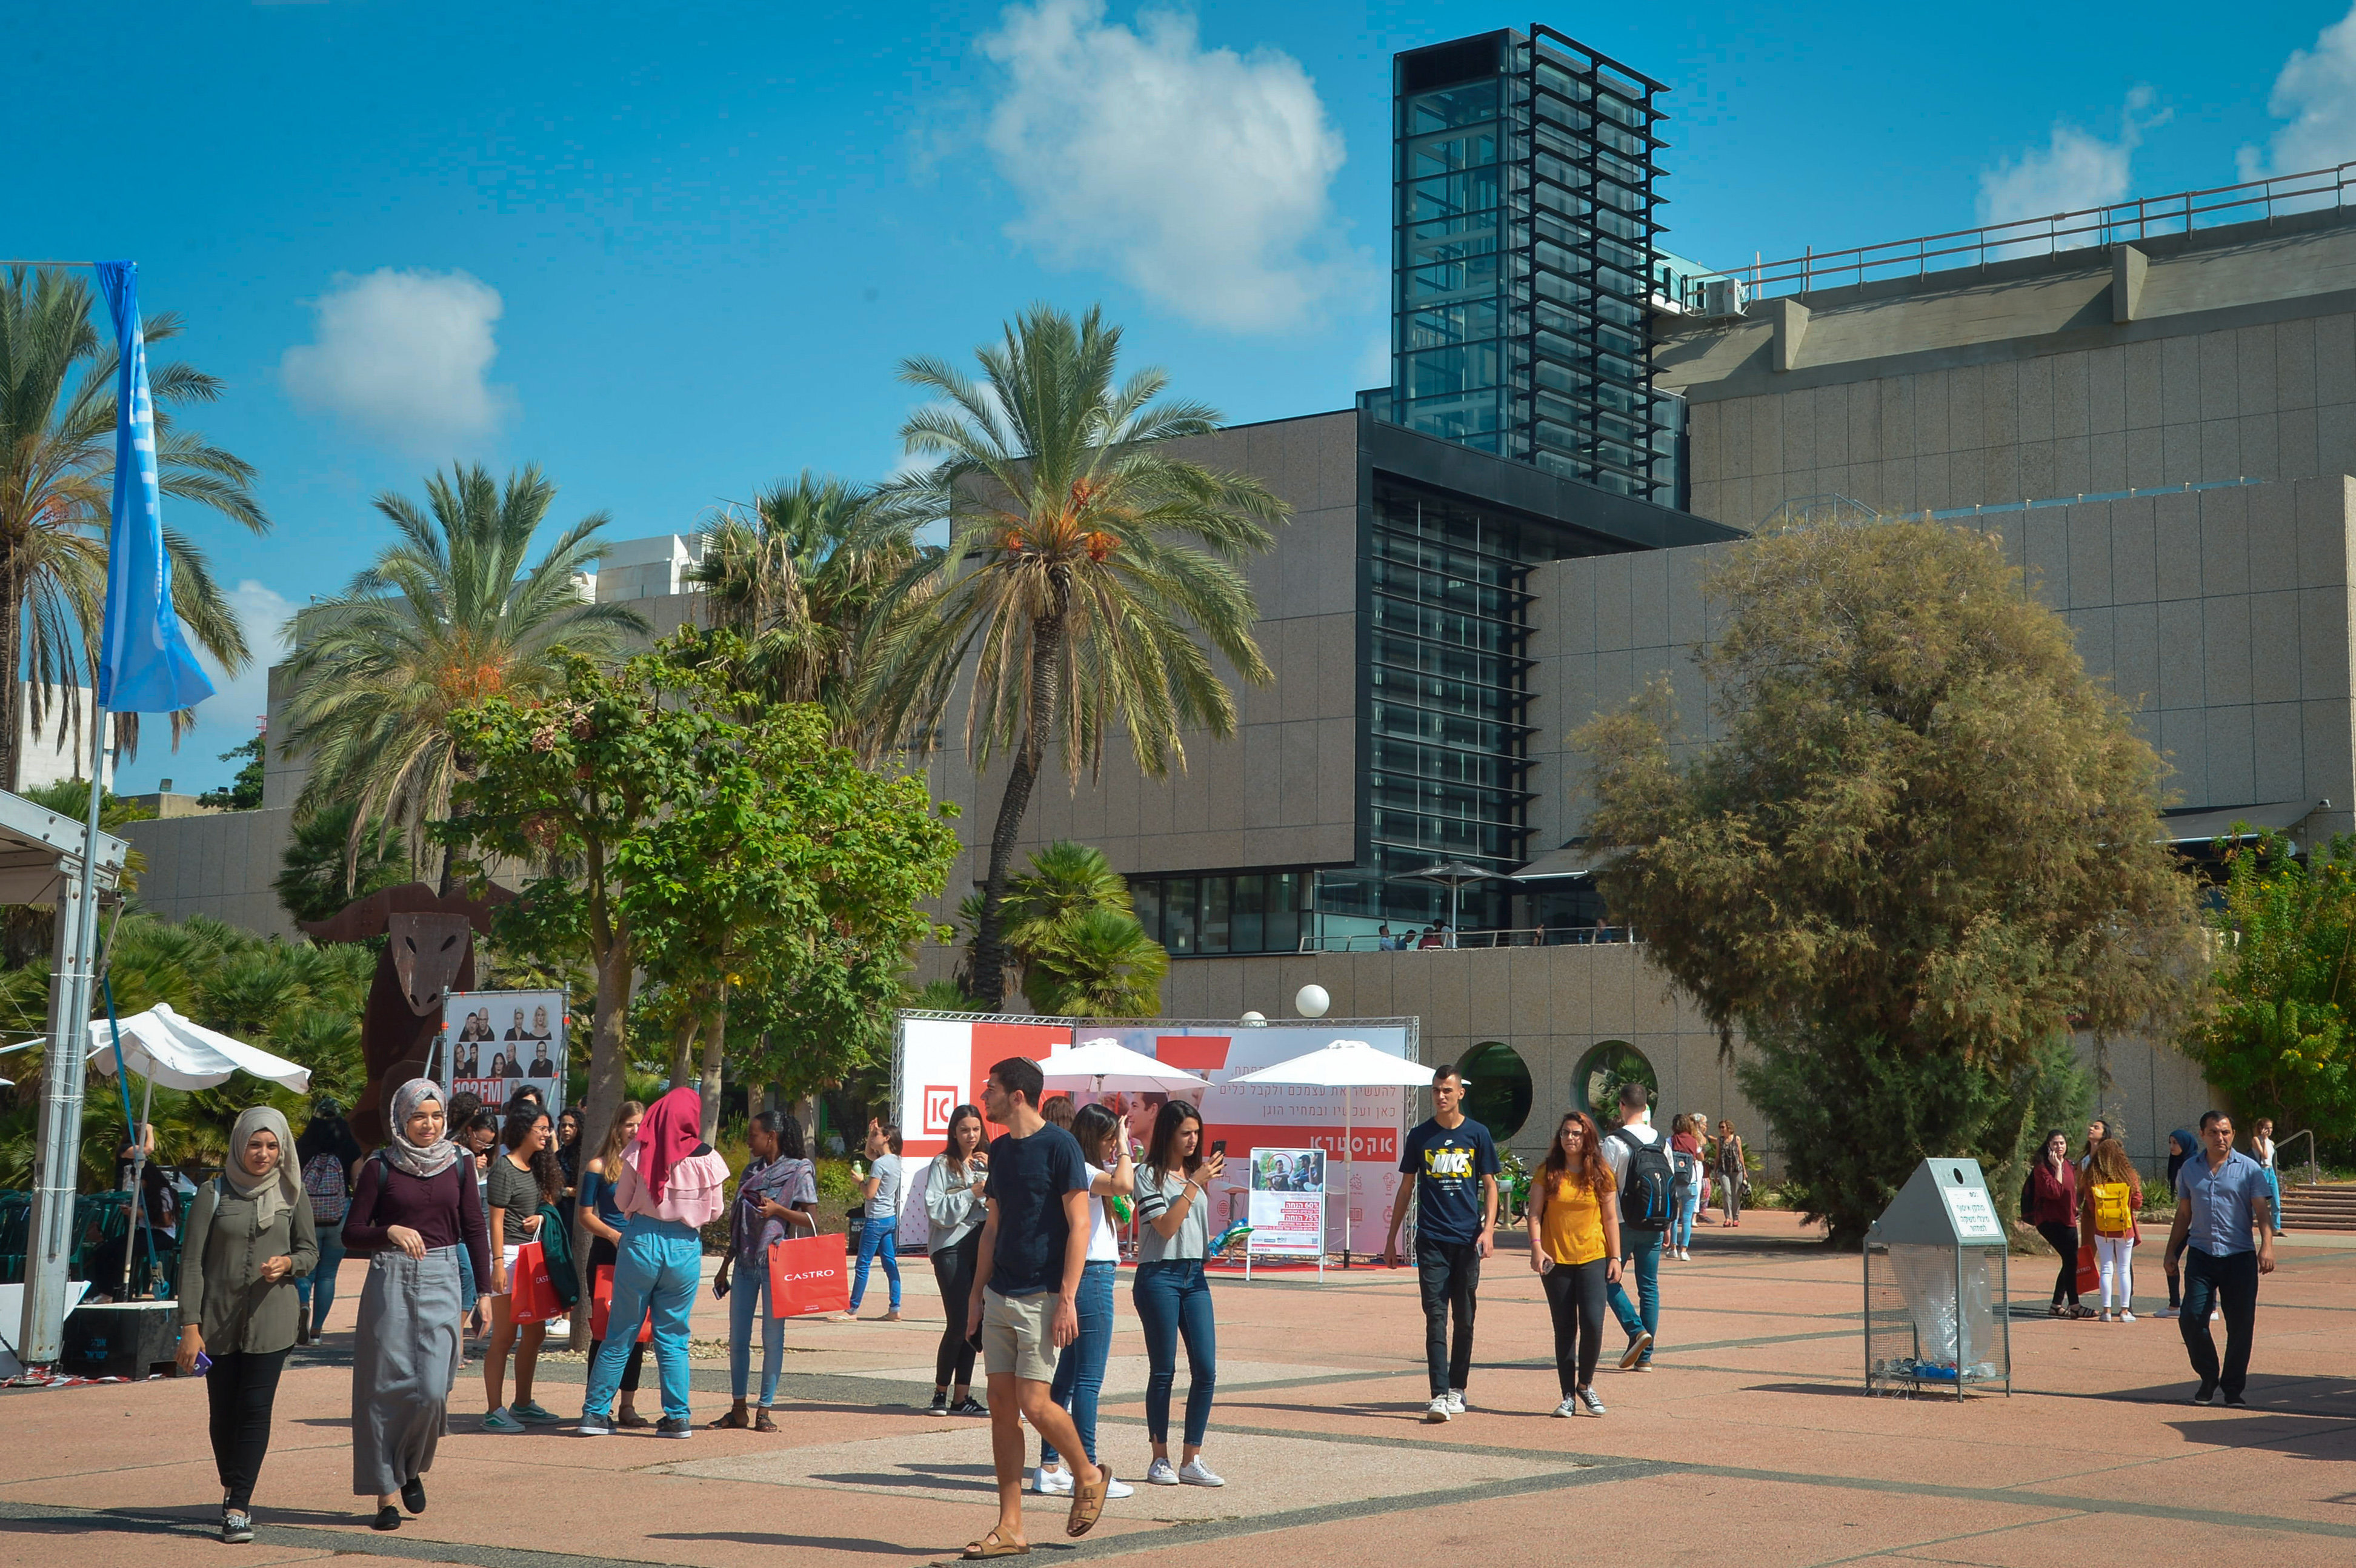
885, 1204
1615, 1149
1104, 1247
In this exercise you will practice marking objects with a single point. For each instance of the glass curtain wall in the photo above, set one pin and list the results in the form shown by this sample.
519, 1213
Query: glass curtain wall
1244, 911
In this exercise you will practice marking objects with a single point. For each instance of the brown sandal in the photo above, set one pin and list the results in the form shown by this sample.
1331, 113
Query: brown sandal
761, 1422
994, 1545
734, 1419
1087, 1503
632, 1419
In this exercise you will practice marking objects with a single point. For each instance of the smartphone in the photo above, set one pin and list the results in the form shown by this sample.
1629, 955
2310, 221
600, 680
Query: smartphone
1219, 1148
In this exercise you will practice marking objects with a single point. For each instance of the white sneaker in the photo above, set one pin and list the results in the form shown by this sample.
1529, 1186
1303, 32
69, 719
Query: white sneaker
1568, 1407
1160, 1474
2126, 1317
1117, 1489
1437, 1410
1050, 1483
1594, 1405
1456, 1402
1194, 1475
1684, 1256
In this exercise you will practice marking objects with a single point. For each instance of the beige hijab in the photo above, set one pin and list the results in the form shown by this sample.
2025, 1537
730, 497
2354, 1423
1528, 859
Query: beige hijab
282, 1187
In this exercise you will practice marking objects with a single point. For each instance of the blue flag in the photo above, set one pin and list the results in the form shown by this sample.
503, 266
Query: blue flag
145, 665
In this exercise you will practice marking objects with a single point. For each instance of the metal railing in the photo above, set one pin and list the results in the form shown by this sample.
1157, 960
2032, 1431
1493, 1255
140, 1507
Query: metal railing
2314, 191
1526, 936
2314, 1168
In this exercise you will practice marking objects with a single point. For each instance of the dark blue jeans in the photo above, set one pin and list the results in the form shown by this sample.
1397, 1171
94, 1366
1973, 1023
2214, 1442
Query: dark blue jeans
2230, 1284
1448, 1274
1643, 1316
879, 1238
1174, 1302
1079, 1371
316, 1290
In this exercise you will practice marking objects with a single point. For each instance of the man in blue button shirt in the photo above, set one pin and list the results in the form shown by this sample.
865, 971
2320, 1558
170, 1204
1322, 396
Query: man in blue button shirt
2224, 1228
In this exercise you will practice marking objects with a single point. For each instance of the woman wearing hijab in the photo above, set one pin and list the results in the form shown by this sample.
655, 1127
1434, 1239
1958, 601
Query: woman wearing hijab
416, 1210
672, 1185
2181, 1145
249, 1237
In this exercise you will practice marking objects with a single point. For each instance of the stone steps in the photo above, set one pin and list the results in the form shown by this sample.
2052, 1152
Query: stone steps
2325, 1206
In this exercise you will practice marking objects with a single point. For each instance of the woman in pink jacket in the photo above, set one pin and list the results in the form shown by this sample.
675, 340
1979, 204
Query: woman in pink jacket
671, 1185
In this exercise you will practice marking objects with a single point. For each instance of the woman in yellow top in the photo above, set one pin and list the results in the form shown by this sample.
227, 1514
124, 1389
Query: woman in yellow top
2110, 1195
1575, 1251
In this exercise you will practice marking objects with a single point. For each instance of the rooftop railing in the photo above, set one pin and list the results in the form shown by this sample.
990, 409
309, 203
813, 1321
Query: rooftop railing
1526, 936
2317, 191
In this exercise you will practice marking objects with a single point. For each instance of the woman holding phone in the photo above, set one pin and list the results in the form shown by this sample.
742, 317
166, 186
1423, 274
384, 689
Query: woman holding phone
1173, 1298
1575, 1251
954, 1207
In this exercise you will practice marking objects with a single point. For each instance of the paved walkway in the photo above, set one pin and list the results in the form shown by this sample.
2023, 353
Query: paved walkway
1752, 1438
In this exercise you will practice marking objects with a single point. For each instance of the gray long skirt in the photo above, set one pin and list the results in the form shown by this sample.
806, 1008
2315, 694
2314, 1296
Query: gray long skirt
404, 1363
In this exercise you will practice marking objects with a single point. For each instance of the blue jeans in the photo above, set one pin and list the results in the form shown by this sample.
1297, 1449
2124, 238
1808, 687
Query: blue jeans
748, 1293
1645, 1248
659, 1266
1681, 1223
2274, 1187
1174, 1302
1080, 1370
880, 1237
316, 1290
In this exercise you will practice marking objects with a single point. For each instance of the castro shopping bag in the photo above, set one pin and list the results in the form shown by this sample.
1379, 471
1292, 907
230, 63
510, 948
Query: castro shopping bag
531, 1298
2090, 1273
601, 1305
806, 1274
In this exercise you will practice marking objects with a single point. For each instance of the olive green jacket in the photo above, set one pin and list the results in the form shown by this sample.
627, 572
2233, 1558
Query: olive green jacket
221, 1254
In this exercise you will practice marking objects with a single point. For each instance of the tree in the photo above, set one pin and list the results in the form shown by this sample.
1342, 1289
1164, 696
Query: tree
2277, 1039
243, 793
57, 488
327, 864
448, 615
1089, 577
1097, 963
1926, 848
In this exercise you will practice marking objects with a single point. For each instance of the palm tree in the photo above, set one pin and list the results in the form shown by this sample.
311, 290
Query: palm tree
57, 486
797, 580
1089, 577
447, 616
1097, 963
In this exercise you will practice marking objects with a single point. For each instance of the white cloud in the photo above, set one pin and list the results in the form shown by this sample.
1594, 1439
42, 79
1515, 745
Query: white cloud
2074, 170
2317, 93
404, 355
238, 700
1200, 175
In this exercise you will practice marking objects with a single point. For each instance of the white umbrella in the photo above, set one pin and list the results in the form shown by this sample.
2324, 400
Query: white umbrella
1108, 1064
1346, 1064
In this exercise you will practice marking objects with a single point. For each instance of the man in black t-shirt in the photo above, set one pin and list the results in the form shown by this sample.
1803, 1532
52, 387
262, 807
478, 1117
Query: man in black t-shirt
1455, 1168
1024, 1306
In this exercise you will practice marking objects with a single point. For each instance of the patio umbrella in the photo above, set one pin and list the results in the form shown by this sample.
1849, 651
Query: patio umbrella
1108, 1064
1346, 1064
1455, 876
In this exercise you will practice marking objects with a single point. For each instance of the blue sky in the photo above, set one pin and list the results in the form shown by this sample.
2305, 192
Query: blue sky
673, 252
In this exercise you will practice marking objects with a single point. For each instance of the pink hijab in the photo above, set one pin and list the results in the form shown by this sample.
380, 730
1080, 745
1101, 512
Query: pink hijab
673, 1127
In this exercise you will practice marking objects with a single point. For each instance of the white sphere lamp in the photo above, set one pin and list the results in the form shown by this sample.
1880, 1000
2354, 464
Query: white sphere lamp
1312, 1001
1254, 1019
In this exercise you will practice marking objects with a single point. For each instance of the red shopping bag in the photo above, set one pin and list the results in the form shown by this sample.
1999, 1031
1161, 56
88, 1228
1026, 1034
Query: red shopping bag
2090, 1275
806, 1274
601, 1306
531, 1298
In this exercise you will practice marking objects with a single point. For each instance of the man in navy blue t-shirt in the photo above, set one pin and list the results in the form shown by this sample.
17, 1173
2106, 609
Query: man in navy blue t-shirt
1455, 1167
1025, 1304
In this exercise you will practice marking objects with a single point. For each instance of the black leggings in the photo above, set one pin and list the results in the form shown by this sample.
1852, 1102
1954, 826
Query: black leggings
2063, 1239
1575, 1294
953, 1268
240, 1386
602, 1255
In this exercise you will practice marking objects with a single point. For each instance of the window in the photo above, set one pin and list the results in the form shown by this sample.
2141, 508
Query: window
1607, 1065
1497, 1092
1244, 912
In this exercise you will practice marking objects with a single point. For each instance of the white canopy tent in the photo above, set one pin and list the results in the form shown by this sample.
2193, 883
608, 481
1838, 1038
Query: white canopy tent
1107, 1064
1346, 1064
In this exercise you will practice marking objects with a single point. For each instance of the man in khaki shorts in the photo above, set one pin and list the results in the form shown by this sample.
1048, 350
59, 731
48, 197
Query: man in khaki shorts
1034, 1246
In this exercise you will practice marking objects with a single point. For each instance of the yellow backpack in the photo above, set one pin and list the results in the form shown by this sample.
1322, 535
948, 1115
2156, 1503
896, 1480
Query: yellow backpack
2113, 1214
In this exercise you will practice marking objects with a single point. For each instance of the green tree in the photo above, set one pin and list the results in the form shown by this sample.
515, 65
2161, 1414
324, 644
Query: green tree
1925, 848
1090, 579
2277, 1038
1097, 963
327, 864
243, 793
57, 487
448, 615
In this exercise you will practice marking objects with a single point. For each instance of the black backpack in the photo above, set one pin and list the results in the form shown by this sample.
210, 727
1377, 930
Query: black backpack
1645, 1187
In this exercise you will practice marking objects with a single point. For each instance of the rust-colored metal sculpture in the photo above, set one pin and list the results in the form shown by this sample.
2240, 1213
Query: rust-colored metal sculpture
429, 953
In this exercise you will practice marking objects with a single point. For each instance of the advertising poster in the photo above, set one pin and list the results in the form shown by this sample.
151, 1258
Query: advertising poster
1288, 1201
495, 1043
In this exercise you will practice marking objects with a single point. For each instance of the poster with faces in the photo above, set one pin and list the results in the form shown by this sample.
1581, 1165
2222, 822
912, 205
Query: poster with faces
496, 1042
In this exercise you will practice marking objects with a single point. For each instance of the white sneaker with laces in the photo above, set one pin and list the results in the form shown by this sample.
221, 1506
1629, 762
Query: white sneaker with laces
1050, 1483
1568, 1407
1594, 1405
1437, 1411
1456, 1402
1160, 1474
1117, 1489
2126, 1317
1192, 1473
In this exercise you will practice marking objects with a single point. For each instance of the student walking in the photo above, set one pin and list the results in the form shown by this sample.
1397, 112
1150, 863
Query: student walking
1733, 1174
2181, 1145
326, 1156
1172, 1297
776, 1197
1690, 1186
2262, 1149
1452, 1159
1645, 1183
2225, 1229
670, 1187
879, 1236
953, 1205
1575, 1251
250, 1236
2110, 1198
415, 1212
1079, 1371
524, 1177
603, 1217
1024, 1304
2050, 1203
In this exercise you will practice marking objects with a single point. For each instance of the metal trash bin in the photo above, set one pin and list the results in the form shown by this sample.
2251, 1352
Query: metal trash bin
1936, 1287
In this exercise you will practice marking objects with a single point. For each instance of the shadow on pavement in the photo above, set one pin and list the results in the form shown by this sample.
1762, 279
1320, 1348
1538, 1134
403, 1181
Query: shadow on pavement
814, 1542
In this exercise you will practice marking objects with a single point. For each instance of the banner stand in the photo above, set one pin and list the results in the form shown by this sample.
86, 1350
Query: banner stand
1287, 1208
